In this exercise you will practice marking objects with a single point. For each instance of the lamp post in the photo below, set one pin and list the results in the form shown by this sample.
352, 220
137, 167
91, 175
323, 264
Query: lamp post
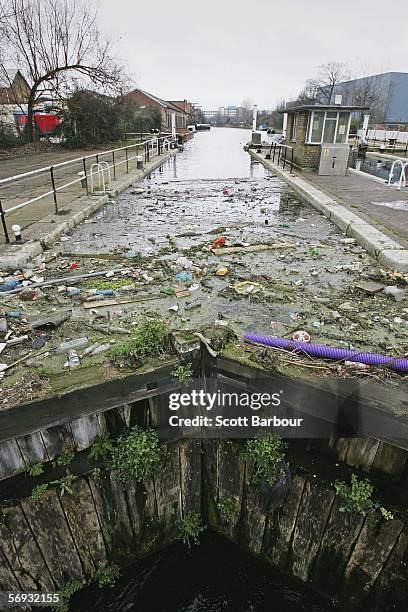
254, 116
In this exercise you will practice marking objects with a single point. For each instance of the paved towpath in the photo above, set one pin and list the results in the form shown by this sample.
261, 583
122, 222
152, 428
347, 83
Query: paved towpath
384, 207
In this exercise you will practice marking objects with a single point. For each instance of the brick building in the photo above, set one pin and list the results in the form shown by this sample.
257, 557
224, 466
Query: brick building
310, 126
14, 88
142, 99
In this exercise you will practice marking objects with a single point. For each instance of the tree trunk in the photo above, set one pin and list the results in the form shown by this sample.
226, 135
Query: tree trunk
29, 130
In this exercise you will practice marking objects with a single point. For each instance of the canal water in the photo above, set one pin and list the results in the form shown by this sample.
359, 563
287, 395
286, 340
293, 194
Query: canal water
215, 576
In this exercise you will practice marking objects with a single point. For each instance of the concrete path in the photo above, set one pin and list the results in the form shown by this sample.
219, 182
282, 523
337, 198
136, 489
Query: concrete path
367, 198
349, 202
21, 190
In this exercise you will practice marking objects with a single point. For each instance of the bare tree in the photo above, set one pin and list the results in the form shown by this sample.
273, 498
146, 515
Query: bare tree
52, 42
321, 89
370, 92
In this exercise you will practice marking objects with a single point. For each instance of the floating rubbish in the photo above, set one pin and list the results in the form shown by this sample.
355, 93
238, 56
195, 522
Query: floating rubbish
73, 359
127, 287
167, 290
3, 327
104, 292
91, 348
222, 272
179, 293
73, 266
102, 348
37, 279
370, 286
194, 287
110, 274
73, 291
53, 320
184, 277
247, 287
40, 341
14, 314
175, 307
330, 352
225, 192
206, 342
9, 285
18, 340
395, 292
252, 248
2, 346
218, 243
191, 305
32, 295
78, 343
185, 263
301, 336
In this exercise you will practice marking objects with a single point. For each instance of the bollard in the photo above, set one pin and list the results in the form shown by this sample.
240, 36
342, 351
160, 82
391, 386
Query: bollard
139, 162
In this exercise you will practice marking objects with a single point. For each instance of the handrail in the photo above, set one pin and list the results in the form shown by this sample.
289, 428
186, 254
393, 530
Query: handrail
153, 145
402, 174
280, 145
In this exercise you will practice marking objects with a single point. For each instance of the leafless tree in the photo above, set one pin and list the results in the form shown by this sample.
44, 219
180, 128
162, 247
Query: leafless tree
321, 89
370, 92
53, 42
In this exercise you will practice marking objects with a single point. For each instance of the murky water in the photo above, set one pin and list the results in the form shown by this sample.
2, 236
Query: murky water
215, 576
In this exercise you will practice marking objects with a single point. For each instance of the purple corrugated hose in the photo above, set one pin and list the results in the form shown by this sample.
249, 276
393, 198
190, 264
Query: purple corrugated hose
330, 352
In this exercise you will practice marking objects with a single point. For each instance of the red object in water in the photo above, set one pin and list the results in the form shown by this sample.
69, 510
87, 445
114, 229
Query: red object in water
45, 122
73, 266
225, 191
219, 243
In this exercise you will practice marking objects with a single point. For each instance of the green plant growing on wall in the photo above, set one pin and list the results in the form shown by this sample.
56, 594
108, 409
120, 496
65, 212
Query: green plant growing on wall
67, 591
38, 491
357, 497
150, 339
182, 373
101, 448
227, 507
190, 528
65, 483
138, 454
107, 575
266, 452
96, 473
35, 470
387, 515
64, 459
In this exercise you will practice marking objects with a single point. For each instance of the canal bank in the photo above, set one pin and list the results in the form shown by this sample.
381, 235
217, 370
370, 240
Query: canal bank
288, 268
337, 198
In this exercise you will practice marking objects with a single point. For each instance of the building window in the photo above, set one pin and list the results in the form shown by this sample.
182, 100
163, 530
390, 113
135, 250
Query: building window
293, 127
328, 127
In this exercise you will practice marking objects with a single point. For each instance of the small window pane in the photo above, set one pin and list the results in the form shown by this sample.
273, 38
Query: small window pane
317, 127
331, 115
342, 127
329, 131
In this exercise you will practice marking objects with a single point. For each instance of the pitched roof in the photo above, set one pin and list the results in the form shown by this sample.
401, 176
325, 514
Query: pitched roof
162, 102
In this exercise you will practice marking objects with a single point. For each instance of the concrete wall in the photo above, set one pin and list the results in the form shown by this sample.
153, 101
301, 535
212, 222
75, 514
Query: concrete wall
305, 156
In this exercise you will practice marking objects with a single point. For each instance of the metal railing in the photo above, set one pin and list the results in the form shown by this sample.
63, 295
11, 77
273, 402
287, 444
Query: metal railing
281, 158
154, 146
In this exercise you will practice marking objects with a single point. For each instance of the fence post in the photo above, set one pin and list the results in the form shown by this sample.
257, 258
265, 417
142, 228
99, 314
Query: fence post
3, 221
54, 190
284, 159
127, 160
86, 175
291, 162
113, 165
279, 154
274, 151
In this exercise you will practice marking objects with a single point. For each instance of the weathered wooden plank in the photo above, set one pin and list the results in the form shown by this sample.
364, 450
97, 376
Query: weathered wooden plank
231, 472
280, 524
85, 430
168, 494
114, 420
48, 523
8, 581
11, 459
32, 448
390, 591
311, 521
253, 515
210, 481
340, 535
190, 475
83, 521
143, 516
57, 440
110, 501
339, 447
361, 453
369, 555
389, 460
23, 554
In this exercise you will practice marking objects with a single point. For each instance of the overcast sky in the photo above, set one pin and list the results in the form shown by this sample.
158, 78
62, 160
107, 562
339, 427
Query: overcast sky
219, 52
